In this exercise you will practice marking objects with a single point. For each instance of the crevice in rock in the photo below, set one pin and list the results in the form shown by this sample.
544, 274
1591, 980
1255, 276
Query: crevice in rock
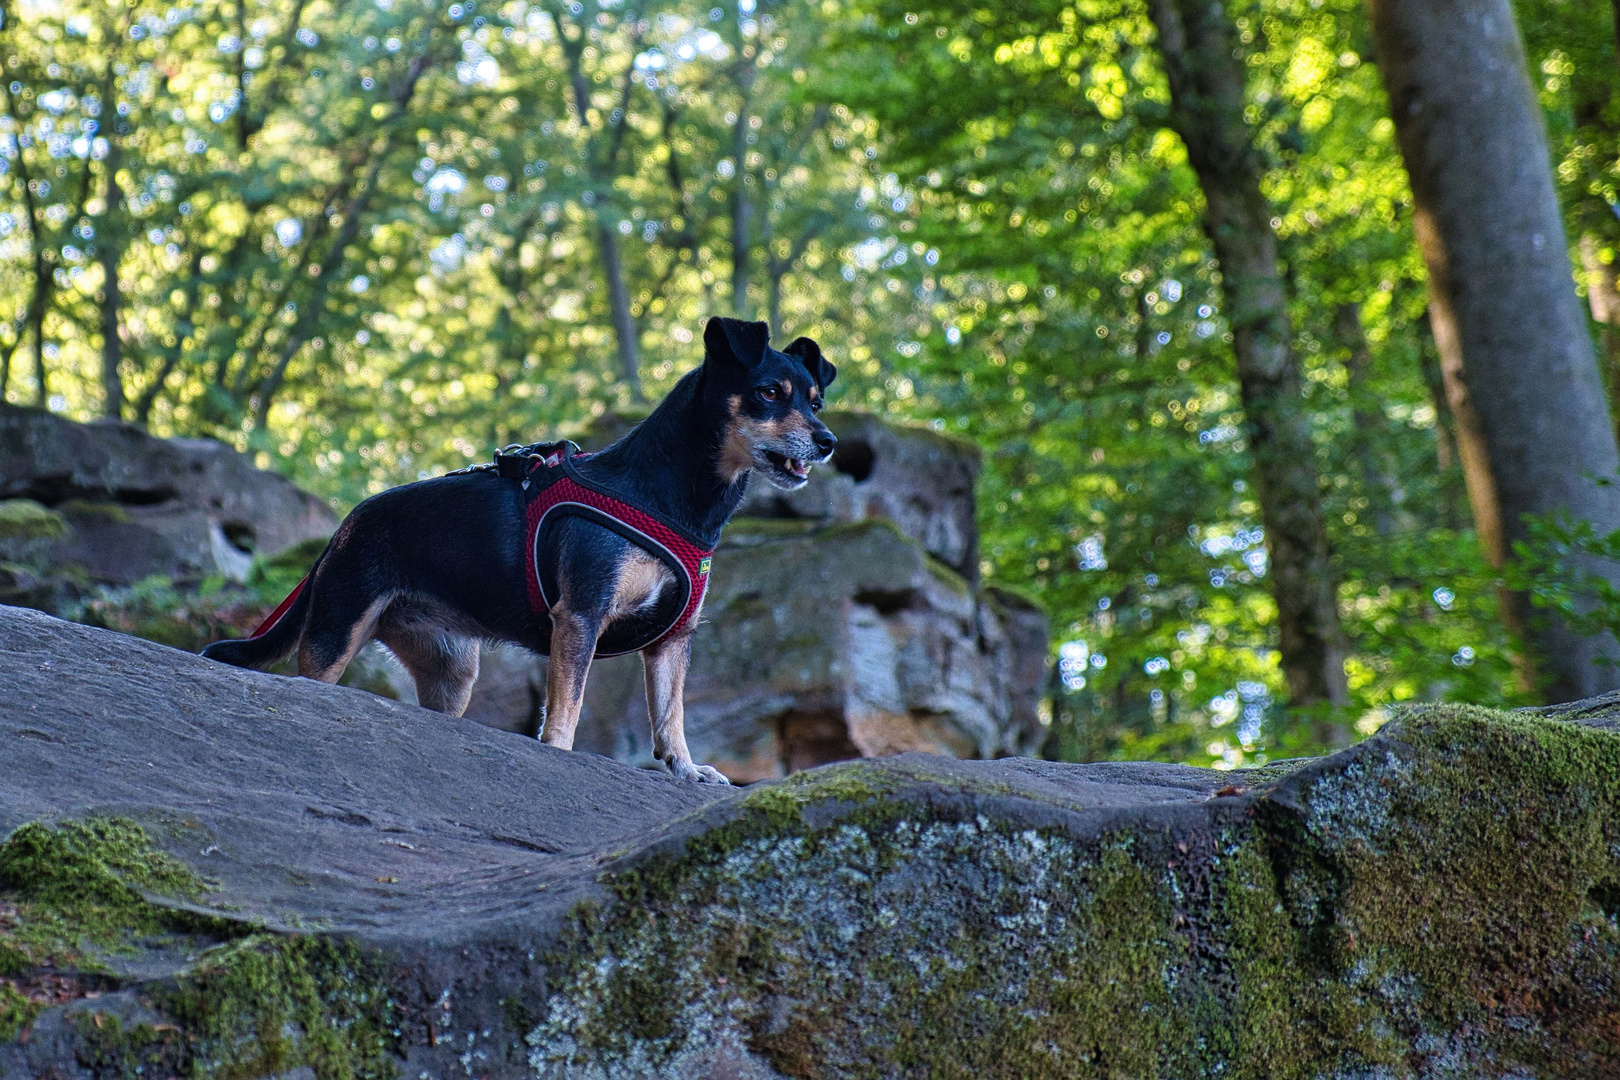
241, 536
886, 601
855, 458
55, 490
808, 739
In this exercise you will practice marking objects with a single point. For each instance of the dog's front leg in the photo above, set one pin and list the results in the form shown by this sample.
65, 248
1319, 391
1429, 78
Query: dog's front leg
666, 687
573, 643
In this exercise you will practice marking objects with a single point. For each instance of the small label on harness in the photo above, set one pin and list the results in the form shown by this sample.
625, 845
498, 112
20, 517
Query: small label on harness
703, 567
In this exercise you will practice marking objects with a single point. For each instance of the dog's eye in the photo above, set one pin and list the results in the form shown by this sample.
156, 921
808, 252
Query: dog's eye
815, 406
770, 393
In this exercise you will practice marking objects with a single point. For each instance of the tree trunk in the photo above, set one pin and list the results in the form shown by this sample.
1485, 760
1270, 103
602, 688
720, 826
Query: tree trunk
1368, 443
602, 162
741, 205
1205, 71
624, 323
112, 384
1533, 426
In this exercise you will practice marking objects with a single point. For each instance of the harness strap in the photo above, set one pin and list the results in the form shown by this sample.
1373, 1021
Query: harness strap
558, 489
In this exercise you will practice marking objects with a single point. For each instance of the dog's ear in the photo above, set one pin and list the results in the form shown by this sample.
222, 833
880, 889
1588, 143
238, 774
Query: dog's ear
809, 353
744, 342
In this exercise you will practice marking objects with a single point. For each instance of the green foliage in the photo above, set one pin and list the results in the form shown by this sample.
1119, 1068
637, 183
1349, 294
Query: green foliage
366, 243
1563, 567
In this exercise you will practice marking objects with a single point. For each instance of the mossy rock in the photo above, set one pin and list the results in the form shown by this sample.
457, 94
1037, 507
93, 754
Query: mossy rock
25, 519
259, 875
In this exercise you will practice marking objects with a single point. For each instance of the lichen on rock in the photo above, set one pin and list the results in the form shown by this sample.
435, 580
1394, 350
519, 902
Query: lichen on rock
1439, 902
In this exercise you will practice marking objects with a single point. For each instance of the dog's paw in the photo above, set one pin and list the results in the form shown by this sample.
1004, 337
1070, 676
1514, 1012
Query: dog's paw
699, 774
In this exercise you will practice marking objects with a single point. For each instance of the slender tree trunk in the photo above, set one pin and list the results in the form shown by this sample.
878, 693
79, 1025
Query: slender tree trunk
1200, 49
741, 206
1445, 424
1367, 441
1533, 425
40, 293
112, 384
775, 301
183, 328
602, 161
624, 323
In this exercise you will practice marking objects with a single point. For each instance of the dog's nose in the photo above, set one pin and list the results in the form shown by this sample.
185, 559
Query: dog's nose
825, 441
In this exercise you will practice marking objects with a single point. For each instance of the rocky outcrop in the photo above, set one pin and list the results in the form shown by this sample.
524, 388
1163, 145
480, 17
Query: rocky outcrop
819, 643
210, 872
843, 621
107, 504
828, 642
915, 477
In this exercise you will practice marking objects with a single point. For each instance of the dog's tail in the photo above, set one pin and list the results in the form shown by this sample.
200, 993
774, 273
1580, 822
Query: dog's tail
276, 637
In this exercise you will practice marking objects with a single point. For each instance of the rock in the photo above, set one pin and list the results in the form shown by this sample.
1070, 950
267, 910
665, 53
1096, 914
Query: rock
819, 643
214, 872
917, 478
128, 506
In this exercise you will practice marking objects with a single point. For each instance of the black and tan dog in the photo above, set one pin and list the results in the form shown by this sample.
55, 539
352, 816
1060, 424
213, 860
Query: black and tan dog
433, 568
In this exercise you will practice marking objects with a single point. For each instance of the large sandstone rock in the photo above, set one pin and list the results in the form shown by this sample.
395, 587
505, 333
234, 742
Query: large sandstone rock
819, 643
920, 480
123, 506
843, 621
210, 872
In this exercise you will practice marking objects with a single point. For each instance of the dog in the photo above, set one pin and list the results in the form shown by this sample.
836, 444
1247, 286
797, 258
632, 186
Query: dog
432, 568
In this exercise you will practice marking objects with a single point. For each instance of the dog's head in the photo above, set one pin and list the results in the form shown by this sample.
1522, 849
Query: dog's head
771, 401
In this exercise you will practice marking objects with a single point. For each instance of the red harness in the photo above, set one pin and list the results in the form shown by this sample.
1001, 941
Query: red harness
557, 490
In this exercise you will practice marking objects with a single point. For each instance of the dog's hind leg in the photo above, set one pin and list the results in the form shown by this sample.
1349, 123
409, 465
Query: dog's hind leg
573, 643
443, 664
334, 635
666, 664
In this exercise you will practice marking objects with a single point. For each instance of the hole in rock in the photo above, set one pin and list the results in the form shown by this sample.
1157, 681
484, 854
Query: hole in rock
854, 459
808, 739
241, 536
886, 601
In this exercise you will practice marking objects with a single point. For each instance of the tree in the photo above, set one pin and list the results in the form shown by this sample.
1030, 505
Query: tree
1532, 422
1203, 64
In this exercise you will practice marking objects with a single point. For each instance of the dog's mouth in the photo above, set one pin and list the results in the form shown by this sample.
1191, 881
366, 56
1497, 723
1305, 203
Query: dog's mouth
792, 468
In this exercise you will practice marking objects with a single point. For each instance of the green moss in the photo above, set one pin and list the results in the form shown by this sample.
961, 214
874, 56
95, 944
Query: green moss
1452, 883
25, 519
1472, 859
78, 896
947, 576
855, 530
1011, 597
769, 528
268, 1004
80, 889
104, 513
114, 1050
17, 1011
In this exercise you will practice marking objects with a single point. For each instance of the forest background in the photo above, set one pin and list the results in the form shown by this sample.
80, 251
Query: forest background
369, 240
